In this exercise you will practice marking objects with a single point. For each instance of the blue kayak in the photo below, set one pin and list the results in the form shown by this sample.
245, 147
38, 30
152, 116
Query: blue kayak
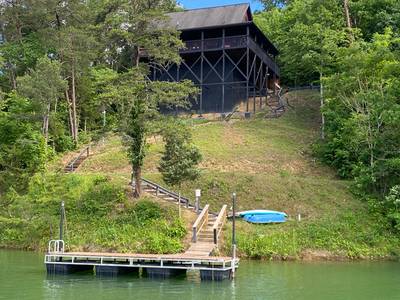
263, 216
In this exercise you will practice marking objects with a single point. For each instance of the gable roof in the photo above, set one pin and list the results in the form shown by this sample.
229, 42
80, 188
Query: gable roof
209, 17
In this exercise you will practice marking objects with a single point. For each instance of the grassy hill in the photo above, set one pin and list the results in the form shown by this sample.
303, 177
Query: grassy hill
267, 162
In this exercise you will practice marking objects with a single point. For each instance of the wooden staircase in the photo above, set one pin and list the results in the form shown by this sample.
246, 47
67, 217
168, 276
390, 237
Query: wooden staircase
206, 232
77, 161
276, 103
206, 229
165, 194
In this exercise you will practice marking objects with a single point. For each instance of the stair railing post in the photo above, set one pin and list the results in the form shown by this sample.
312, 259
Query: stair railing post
179, 205
233, 234
194, 235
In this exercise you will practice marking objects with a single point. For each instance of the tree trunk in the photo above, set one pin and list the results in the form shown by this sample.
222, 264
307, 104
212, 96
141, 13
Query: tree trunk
137, 171
73, 101
71, 122
13, 80
45, 126
347, 14
322, 107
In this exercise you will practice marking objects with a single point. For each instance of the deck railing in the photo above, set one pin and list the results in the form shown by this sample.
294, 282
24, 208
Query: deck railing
239, 41
201, 220
56, 246
219, 223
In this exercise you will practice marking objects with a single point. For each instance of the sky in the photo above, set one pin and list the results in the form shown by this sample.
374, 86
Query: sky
255, 5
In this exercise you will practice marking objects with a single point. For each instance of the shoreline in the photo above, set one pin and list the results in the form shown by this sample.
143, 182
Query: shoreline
308, 256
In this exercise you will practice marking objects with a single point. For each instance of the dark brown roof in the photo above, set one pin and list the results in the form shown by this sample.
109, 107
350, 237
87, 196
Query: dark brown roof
210, 17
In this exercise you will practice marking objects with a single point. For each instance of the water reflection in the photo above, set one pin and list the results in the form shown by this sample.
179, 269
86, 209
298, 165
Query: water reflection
22, 276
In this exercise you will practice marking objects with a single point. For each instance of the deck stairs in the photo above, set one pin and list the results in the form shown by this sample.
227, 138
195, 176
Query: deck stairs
277, 103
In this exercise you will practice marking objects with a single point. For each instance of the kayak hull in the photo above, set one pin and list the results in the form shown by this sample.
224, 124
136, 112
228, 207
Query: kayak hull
263, 216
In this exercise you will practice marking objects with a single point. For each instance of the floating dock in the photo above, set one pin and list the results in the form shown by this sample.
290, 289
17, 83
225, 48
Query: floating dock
153, 266
206, 233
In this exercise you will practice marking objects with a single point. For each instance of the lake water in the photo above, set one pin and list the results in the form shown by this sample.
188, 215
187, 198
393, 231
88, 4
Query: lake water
23, 276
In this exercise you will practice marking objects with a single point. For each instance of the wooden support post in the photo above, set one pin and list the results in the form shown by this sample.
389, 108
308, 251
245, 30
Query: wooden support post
62, 215
255, 84
201, 72
261, 84
247, 67
233, 233
223, 71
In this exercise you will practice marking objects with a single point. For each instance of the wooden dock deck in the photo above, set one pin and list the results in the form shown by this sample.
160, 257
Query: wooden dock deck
205, 238
154, 266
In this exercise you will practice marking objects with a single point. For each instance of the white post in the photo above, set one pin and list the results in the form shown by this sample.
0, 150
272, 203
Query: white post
197, 204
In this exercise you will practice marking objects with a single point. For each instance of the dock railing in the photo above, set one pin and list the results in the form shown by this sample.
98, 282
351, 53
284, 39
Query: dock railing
219, 223
201, 220
56, 246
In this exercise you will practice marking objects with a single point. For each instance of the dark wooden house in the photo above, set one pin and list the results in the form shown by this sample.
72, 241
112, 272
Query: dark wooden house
226, 55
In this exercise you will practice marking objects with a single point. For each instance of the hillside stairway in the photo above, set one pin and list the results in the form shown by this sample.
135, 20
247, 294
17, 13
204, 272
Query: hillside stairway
77, 161
206, 230
276, 103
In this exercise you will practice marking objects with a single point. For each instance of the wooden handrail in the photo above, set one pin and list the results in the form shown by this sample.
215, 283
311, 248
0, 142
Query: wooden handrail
165, 191
201, 220
219, 223
160, 189
85, 150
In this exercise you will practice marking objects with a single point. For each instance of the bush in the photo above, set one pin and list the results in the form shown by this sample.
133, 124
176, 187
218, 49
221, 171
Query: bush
146, 211
392, 203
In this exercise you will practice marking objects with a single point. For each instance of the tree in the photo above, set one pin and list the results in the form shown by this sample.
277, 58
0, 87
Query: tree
306, 33
23, 150
271, 4
180, 158
374, 16
138, 101
44, 86
363, 109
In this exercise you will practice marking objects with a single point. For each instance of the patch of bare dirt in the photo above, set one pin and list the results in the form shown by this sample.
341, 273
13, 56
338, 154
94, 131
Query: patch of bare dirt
321, 255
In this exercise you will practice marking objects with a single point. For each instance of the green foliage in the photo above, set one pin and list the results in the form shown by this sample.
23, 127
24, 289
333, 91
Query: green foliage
346, 237
138, 103
98, 215
146, 211
392, 204
306, 33
363, 113
23, 150
374, 16
20, 56
43, 86
180, 157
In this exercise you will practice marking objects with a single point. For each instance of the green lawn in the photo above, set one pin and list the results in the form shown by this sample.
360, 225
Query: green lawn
269, 164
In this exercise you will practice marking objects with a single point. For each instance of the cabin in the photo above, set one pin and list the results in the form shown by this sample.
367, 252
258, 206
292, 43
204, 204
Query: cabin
226, 55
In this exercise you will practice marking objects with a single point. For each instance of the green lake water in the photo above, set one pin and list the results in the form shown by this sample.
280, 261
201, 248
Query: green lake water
23, 276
